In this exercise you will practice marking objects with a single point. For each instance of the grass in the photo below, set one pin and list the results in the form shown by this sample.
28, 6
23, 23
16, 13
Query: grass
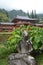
39, 59
3, 55
5, 32
4, 61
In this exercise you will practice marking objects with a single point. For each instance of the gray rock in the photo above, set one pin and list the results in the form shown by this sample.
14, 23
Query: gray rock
22, 57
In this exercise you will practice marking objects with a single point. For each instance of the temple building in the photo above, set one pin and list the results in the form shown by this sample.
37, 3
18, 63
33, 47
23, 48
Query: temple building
16, 22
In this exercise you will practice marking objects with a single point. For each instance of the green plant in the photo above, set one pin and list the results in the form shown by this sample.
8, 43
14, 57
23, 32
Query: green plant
13, 41
35, 35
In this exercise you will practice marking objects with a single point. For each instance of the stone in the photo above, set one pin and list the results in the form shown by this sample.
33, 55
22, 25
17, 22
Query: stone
23, 56
21, 59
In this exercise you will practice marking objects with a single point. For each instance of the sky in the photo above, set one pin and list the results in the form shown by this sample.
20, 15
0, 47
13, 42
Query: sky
25, 5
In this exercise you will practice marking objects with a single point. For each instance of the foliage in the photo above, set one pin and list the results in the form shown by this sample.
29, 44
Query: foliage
14, 39
35, 35
4, 51
12, 42
4, 61
4, 17
32, 15
4, 36
39, 59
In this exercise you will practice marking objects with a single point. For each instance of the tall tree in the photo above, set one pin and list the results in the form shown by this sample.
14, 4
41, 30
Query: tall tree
32, 14
28, 14
3, 17
35, 15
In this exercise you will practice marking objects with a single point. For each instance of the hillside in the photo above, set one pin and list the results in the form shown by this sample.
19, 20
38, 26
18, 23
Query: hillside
9, 15
14, 13
4, 17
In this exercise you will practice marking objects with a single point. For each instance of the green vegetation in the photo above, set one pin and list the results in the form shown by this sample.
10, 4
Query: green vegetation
4, 58
35, 35
4, 61
39, 59
15, 38
3, 17
3, 51
32, 14
5, 33
4, 36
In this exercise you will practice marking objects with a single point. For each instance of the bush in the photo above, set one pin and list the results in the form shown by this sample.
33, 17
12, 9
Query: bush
35, 35
4, 51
